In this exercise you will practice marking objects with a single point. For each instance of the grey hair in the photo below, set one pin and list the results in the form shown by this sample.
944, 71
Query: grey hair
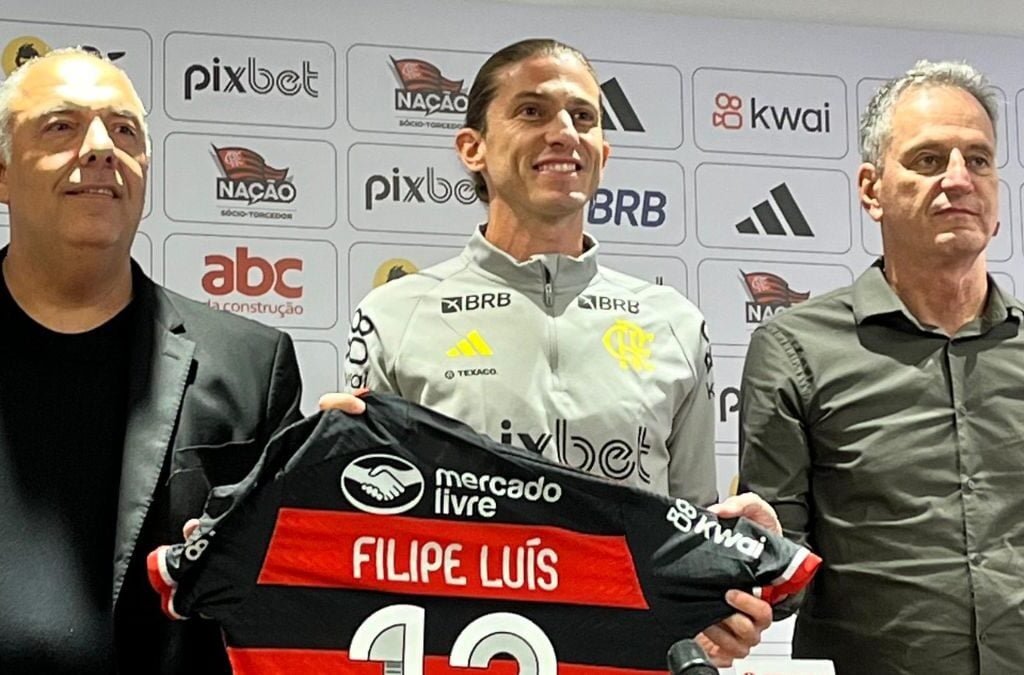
876, 122
13, 84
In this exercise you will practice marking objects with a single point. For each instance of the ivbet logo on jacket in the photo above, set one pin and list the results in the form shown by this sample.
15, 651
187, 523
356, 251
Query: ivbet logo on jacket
245, 80
282, 282
769, 113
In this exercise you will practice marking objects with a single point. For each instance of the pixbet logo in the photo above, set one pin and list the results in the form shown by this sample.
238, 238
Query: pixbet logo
409, 189
249, 78
624, 206
228, 274
730, 115
616, 458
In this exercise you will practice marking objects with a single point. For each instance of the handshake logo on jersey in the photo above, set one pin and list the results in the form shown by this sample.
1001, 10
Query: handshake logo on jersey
387, 484
382, 484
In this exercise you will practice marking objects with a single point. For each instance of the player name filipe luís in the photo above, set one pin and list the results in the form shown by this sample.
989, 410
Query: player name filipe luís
528, 566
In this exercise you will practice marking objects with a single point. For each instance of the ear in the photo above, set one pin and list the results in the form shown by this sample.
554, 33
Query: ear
867, 187
606, 151
472, 149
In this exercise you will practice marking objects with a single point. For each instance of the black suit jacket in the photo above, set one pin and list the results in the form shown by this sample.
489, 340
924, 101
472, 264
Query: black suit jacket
207, 391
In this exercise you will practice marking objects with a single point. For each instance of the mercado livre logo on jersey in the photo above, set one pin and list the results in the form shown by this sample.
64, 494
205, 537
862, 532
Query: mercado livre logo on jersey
382, 484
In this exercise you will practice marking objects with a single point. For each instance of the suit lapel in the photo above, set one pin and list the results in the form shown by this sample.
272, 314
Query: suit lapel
161, 361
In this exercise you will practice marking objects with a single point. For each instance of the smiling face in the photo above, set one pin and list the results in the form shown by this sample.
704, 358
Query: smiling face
77, 171
937, 193
543, 151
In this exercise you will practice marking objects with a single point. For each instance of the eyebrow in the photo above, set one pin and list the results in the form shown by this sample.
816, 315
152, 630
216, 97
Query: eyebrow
939, 145
67, 108
534, 96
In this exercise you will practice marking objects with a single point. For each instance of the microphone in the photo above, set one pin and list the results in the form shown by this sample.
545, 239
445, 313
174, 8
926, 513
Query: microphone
687, 658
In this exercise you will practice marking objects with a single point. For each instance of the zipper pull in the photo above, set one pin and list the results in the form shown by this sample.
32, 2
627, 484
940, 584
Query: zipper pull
549, 291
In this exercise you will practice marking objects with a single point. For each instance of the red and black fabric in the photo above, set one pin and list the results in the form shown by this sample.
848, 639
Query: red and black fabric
406, 521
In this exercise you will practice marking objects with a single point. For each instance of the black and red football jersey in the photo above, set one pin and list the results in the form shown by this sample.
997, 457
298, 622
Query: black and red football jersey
401, 539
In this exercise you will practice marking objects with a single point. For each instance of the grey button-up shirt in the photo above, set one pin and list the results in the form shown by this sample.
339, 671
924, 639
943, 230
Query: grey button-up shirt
897, 453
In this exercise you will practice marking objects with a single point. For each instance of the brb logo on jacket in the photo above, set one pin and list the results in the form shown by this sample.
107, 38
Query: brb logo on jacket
469, 303
607, 304
382, 484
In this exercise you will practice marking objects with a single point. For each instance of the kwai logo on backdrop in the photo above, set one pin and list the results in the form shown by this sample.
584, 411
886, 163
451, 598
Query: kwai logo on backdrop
769, 294
640, 201
265, 279
755, 112
249, 80
735, 299
248, 180
774, 208
130, 49
409, 189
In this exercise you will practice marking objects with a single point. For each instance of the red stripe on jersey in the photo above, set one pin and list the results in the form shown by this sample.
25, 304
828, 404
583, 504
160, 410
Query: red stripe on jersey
299, 661
424, 556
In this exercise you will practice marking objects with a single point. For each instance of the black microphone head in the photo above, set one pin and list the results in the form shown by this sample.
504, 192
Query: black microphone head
687, 658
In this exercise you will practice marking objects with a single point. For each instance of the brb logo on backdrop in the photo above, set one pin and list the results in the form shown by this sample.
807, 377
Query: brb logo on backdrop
733, 112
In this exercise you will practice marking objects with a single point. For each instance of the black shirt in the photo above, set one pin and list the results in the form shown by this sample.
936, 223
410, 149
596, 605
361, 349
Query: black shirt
63, 408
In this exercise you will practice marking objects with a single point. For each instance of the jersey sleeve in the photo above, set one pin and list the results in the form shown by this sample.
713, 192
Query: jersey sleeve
691, 445
775, 457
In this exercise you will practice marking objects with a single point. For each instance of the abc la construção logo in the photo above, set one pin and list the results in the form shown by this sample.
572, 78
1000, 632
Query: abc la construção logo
382, 484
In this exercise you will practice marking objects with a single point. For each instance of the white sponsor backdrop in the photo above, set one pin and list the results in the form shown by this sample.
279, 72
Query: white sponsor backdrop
734, 152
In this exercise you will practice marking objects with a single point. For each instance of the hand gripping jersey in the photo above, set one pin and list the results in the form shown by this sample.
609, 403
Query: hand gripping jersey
590, 367
402, 540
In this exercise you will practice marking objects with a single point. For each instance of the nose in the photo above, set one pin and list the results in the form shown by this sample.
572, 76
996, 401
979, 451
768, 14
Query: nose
957, 176
562, 130
97, 148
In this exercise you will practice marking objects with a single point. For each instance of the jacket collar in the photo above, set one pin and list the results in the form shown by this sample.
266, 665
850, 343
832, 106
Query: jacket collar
562, 271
